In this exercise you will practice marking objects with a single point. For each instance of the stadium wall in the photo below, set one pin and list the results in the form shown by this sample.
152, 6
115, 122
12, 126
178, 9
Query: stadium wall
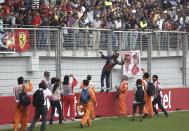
173, 99
169, 70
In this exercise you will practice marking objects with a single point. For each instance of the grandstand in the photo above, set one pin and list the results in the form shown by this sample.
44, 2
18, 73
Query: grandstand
65, 36
123, 14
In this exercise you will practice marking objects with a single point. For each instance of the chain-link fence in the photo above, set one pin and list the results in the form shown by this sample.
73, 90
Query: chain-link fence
64, 51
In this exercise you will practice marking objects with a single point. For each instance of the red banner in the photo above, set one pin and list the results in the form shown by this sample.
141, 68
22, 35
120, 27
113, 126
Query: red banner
22, 40
173, 99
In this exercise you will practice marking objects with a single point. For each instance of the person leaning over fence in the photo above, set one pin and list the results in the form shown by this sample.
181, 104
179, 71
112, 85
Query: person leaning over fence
68, 96
87, 98
22, 102
111, 61
139, 99
40, 103
122, 91
158, 96
55, 102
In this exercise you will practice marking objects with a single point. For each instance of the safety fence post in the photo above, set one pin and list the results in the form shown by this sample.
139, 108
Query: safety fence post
58, 55
110, 33
149, 54
185, 53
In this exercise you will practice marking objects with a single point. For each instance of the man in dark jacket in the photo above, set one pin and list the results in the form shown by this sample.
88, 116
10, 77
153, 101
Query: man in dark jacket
157, 97
111, 61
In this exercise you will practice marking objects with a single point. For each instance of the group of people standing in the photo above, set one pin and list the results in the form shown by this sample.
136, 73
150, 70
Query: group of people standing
146, 95
56, 95
144, 91
49, 89
58, 92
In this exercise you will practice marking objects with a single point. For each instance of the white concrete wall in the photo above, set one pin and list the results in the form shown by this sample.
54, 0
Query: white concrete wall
187, 70
168, 69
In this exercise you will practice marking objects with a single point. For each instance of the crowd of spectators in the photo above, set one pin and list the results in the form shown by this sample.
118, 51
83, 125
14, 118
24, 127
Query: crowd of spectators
114, 14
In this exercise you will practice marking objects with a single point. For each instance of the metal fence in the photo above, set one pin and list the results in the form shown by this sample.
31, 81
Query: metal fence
95, 40
88, 39
49, 48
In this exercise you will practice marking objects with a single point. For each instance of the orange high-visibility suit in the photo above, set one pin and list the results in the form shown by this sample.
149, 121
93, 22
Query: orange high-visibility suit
93, 114
21, 113
148, 108
88, 107
122, 98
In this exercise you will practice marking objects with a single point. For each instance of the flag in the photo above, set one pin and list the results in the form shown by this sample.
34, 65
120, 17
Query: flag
132, 63
22, 40
7, 41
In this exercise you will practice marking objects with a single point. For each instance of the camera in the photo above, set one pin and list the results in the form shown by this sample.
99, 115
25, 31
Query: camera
26, 81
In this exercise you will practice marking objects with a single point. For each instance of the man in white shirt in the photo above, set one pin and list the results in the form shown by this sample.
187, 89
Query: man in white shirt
46, 79
41, 111
118, 23
96, 34
160, 22
118, 26
90, 15
97, 22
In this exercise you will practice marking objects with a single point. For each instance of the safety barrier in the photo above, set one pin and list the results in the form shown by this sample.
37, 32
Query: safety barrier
49, 48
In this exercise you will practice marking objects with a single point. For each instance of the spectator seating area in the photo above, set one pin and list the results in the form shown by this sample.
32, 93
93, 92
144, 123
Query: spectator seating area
110, 14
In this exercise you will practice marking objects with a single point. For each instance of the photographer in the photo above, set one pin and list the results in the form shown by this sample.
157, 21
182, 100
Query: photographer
55, 102
111, 61
69, 96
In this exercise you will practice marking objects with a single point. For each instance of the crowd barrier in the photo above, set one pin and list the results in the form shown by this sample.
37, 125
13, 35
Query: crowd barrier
173, 99
88, 39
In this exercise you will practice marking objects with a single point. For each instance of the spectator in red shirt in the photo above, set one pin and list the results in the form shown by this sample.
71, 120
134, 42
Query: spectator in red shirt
5, 10
66, 8
36, 20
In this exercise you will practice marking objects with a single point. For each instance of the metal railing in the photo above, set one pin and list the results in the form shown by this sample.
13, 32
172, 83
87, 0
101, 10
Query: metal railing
89, 39
58, 40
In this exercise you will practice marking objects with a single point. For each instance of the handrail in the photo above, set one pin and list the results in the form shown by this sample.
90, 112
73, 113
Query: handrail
7, 28
94, 29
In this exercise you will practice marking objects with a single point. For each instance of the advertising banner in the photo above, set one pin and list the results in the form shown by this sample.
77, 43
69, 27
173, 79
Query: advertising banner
107, 104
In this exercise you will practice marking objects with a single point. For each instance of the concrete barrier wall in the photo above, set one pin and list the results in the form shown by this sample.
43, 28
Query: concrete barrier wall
173, 99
